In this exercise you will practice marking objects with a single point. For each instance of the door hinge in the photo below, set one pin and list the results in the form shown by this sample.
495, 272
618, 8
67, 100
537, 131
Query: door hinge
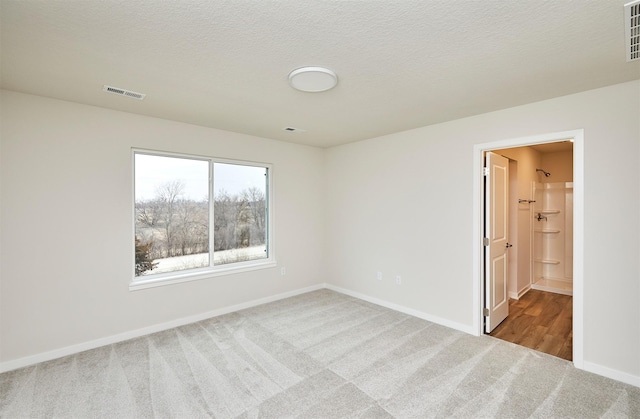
485, 312
485, 171
485, 241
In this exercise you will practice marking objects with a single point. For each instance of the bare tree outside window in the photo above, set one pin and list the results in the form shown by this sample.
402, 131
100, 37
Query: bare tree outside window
239, 213
173, 212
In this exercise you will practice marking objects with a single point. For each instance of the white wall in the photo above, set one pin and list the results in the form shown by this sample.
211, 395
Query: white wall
402, 204
67, 217
559, 164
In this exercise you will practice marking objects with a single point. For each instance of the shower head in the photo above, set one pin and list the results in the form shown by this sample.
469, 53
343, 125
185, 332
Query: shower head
547, 174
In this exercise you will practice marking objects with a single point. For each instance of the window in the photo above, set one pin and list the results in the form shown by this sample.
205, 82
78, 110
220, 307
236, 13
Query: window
197, 216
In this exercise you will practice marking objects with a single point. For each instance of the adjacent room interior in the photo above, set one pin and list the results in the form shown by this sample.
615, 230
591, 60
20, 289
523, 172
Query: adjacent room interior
217, 208
539, 280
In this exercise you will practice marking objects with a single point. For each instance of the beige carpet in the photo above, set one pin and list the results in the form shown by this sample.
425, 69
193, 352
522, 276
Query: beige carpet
318, 355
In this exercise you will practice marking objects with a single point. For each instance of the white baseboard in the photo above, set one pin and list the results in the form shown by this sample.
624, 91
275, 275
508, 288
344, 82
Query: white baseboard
74, 349
624, 377
415, 313
518, 295
587, 366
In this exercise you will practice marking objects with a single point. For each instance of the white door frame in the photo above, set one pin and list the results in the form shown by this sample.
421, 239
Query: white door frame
578, 228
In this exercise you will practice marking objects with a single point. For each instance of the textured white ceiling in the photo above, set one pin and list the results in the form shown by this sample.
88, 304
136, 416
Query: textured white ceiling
401, 63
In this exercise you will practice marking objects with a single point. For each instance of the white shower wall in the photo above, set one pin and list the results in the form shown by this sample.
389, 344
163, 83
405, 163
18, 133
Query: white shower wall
553, 237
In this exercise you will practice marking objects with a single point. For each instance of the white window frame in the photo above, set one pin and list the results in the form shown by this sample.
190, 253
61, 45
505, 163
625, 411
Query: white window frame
168, 278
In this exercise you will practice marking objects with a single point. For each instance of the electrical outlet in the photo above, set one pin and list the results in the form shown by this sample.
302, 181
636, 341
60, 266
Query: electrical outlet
379, 276
398, 279
283, 271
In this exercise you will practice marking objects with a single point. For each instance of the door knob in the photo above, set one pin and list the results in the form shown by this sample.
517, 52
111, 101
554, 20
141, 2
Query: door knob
508, 245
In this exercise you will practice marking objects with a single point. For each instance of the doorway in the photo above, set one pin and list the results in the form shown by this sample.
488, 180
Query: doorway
576, 269
538, 216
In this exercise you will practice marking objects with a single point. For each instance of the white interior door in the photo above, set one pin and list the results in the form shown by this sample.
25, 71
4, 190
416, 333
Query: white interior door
497, 240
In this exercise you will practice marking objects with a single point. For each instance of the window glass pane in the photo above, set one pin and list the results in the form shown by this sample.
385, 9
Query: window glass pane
240, 213
172, 213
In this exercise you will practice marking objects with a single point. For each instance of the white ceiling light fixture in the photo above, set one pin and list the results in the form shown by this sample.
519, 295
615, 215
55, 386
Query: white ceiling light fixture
313, 79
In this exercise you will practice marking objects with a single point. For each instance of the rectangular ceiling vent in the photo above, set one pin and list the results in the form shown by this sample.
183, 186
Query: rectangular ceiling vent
292, 129
123, 92
632, 29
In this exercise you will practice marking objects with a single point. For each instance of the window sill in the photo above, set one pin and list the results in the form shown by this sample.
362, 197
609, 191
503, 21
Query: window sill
180, 277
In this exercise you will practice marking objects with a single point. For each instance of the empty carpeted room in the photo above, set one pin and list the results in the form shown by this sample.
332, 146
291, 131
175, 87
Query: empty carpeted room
281, 208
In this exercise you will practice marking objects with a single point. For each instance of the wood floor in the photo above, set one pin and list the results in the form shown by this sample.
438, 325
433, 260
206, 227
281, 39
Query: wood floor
542, 321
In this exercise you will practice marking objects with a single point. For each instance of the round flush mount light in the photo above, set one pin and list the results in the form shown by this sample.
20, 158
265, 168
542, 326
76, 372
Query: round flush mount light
313, 79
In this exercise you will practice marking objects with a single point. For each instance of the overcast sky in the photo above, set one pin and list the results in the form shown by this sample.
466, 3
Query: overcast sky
153, 171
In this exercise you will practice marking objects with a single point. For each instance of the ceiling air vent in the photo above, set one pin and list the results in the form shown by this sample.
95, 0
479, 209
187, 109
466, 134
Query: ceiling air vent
123, 92
632, 29
292, 129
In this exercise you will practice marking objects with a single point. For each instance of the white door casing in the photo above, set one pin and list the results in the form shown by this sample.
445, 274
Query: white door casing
497, 233
478, 280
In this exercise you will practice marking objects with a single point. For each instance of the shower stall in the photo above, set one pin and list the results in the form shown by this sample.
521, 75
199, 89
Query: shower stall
552, 237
